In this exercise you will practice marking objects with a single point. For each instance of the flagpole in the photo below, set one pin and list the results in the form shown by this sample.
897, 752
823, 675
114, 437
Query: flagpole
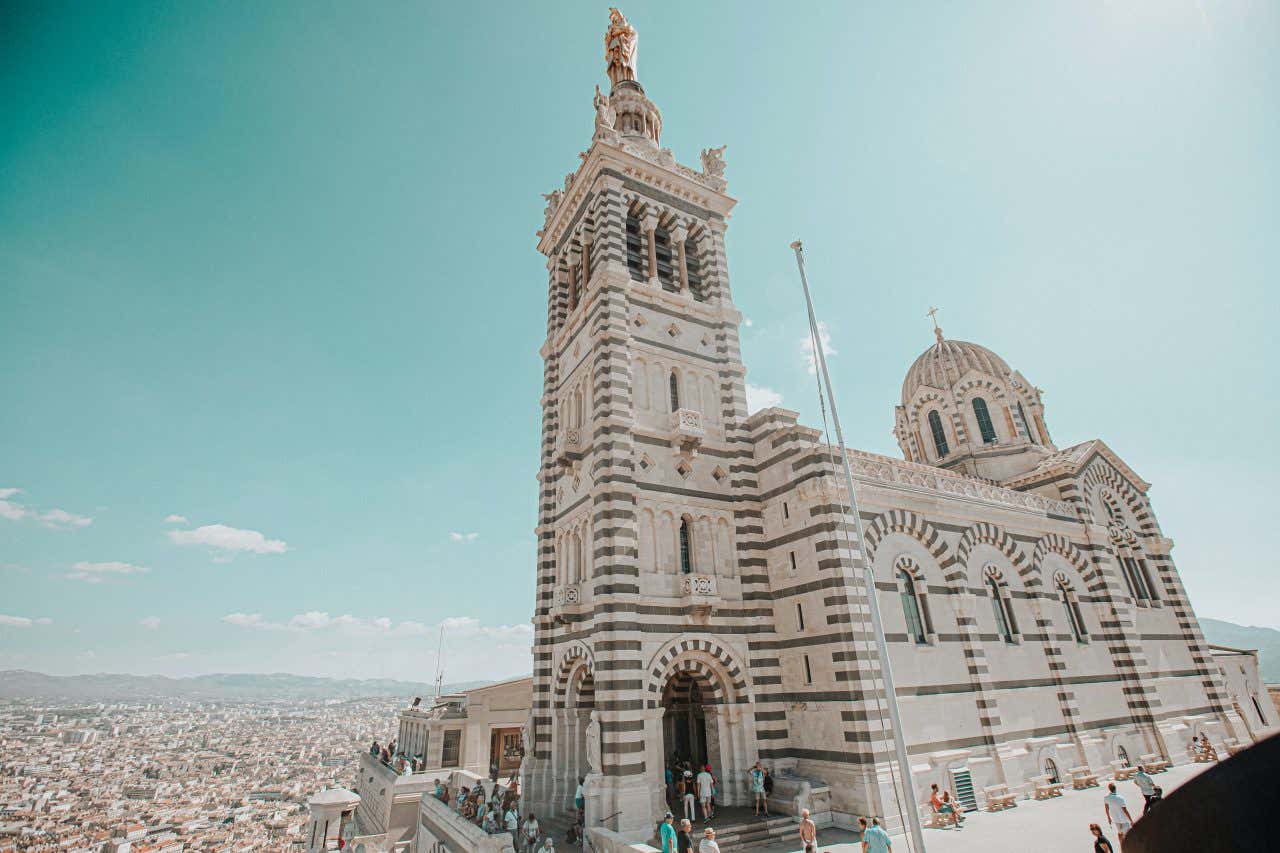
912, 813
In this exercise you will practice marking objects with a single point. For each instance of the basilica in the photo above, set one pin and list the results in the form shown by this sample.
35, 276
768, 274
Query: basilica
699, 571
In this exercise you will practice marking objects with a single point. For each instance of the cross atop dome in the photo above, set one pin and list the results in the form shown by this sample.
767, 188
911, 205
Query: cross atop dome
933, 315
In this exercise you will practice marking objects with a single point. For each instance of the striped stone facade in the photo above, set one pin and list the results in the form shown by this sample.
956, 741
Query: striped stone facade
686, 549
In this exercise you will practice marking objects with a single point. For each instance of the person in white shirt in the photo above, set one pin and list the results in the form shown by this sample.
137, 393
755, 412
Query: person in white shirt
1117, 812
708, 842
512, 822
706, 782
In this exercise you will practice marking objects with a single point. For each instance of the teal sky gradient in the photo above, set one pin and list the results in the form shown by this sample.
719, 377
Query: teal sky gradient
272, 266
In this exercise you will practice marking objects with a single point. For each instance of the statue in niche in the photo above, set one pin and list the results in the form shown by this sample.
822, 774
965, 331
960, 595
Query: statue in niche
620, 48
526, 735
713, 162
594, 761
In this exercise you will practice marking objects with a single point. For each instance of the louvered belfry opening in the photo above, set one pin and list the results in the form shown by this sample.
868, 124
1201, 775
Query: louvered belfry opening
636, 251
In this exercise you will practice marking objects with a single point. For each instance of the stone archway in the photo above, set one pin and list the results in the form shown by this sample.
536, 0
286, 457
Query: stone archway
698, 708
574, 700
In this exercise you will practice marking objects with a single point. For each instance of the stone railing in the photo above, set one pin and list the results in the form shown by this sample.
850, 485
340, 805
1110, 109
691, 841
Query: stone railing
686, 428
568, 446
699, 586
871, 466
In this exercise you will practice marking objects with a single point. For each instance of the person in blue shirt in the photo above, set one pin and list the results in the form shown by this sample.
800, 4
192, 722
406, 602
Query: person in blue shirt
874, 838
668, 834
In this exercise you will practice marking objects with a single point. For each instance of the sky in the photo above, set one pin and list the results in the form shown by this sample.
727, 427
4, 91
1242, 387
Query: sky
270, 302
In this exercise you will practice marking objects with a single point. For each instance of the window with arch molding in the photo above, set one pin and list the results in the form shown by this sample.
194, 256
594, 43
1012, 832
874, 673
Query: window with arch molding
985, 427
1001, 606
913, 607
673, 391
1026, 424
939, 436
1075, 618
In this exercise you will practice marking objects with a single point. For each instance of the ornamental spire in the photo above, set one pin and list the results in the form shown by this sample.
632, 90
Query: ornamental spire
933, 315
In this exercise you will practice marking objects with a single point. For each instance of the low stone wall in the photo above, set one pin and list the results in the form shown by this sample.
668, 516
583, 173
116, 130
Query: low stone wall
607, 841
442, 830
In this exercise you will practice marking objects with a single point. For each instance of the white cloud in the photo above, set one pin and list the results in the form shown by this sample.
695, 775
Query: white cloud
463, 537
229, 539
314, 621
175, 519
60, 519
100, 572
57, 519
151, 623
760, 397
806, 347
175, 656
23, 621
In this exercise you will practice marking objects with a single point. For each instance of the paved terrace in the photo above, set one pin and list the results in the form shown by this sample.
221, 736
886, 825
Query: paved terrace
1059, 825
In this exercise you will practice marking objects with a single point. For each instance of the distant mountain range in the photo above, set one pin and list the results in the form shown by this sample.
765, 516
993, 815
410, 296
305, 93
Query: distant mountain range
234, 687
1265, 640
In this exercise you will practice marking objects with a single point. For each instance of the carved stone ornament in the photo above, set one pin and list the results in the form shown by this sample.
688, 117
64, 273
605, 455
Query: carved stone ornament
713, 162
620, 42
605, 118
553, 204
594, 758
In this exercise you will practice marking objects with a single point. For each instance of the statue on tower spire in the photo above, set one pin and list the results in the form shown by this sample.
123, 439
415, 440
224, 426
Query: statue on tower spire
620, 48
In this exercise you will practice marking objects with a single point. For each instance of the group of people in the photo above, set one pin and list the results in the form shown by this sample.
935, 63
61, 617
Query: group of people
687, 789
494, 812
1200, 746
945, 807
681, 840
402, 764
1117, 810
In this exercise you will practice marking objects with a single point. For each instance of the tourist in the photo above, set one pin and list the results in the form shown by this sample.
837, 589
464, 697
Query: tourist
442, 794
1100, 842
768, 788
1117, 812
531, 832
684, 838
373, 750
688, 800
579, 798
705, 783
548, 846
708, 842
1145, 785
671, 786
935, 799
715, 791
874, 838
668, 832
511, 822
808, 832
757, 789
1157, 794
948, 807
490, 825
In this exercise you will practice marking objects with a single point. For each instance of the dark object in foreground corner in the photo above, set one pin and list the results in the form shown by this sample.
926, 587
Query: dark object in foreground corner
1229, 808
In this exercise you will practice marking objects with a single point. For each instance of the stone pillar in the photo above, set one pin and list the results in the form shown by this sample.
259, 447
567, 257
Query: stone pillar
585, 275
678, 236
649, 226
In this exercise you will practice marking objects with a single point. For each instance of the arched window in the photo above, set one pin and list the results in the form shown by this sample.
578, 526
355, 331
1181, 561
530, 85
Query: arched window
673, 388
912, 607
1026, 424
985, 426
1002, 608
1137, 581
693, 270
1051, 770
939, 437
637, 252
1074, 617
686, 547
1123, 755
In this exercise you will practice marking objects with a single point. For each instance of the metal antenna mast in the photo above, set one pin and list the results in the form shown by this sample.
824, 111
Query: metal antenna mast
900, 747
440, 662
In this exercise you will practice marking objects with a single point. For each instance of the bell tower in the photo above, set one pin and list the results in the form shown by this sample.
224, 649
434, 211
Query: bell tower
646, 490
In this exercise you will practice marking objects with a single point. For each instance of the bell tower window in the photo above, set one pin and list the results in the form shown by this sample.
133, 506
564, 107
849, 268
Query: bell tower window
939, 437
686, 550
673, 390
985, 426
636, 252
666, 260
693, 270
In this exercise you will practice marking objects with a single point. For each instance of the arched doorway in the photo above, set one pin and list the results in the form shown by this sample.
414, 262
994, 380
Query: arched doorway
684, 722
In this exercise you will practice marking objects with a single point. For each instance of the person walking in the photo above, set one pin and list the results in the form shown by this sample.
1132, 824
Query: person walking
684, 838
704, 783
756, 775
1101, 844
708, 842
511, 821
808, 832
579, 797
948, 807
874, 838
1117, 812
1146, 785
668, 833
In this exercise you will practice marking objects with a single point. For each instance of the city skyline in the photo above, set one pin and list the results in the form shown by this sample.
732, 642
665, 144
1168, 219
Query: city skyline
266, 410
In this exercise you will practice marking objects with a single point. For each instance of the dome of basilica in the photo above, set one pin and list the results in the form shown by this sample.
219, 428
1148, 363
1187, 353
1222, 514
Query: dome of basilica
943, 364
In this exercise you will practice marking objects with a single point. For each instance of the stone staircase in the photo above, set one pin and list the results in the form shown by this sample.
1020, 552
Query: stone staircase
745, 833
558, 828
